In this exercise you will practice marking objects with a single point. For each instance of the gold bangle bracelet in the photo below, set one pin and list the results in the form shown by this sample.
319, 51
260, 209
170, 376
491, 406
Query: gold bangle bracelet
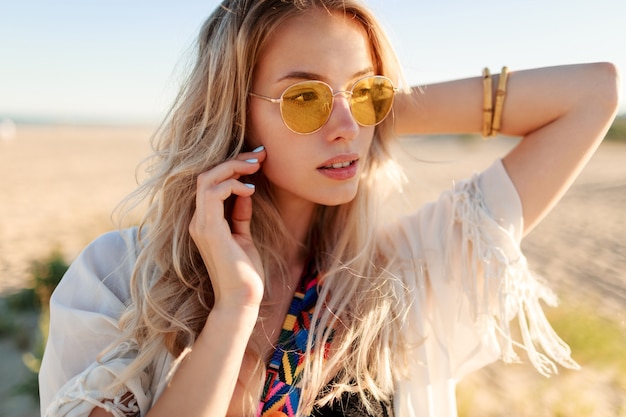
500, 95
487, 103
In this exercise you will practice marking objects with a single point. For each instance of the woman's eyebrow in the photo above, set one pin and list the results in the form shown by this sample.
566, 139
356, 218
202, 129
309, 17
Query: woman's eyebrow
364, 72
300, 75
304, 75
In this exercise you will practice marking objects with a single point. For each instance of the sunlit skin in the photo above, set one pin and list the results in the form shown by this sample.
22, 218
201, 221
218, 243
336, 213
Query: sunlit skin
293, 164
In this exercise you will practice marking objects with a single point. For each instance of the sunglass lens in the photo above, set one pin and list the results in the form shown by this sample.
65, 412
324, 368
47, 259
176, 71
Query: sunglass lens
306, 106
372, 98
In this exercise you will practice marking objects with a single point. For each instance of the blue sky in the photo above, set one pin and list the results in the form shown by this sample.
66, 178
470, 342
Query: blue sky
119, 60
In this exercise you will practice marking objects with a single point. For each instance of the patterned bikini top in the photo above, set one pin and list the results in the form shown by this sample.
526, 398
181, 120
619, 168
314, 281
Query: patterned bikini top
281, 393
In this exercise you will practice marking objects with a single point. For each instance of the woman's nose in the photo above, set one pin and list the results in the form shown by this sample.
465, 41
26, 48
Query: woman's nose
341, 122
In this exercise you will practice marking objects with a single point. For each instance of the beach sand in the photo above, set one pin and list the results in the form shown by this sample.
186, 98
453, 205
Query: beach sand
59, 185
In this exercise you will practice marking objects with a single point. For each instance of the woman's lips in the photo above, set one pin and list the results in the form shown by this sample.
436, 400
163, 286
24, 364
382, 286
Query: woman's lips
341, 167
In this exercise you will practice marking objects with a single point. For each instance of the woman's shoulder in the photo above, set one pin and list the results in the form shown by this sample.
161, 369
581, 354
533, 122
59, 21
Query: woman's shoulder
114, 242
105, 266
486, 197
113, 254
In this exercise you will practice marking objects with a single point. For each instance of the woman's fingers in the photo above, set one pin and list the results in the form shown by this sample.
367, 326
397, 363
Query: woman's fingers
233, 169
233, 263
219, 183
218, 193
241, 216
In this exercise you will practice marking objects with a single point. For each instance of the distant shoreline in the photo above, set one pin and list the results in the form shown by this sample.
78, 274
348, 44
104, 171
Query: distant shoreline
80, 121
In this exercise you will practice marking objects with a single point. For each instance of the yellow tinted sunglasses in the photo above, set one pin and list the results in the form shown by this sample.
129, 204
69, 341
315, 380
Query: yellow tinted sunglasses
306, 106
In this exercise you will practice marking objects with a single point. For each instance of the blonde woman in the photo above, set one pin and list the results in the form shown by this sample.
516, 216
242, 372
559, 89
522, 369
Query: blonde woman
261, 281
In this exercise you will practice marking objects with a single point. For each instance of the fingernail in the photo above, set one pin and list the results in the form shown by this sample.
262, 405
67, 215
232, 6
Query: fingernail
259, 149
252, 161
249, 185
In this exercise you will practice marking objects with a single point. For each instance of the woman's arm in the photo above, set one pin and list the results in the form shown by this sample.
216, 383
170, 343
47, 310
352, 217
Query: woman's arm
204, 383
562, 113
206, 380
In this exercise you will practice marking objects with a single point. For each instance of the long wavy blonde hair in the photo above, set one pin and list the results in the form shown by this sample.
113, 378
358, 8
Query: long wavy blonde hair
171, 289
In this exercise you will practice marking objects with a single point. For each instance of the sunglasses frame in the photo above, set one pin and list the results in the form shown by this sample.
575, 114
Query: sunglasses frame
349, 92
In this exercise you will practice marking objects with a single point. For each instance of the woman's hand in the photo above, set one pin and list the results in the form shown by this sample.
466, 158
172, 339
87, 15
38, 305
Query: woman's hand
232, 260
204, 383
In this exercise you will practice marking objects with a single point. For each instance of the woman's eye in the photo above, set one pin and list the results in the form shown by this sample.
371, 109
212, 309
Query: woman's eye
361, 94
307, 96
301, 95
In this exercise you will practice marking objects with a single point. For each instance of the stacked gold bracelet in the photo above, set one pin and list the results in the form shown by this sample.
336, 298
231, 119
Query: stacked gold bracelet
492, 118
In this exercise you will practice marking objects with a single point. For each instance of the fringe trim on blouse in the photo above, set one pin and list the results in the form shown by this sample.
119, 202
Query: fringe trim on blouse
501, 272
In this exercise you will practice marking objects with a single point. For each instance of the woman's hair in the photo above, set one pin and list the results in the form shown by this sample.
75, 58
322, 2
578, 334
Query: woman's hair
171, 290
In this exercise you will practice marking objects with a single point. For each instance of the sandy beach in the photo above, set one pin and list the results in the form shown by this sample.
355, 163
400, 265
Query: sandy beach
59, 185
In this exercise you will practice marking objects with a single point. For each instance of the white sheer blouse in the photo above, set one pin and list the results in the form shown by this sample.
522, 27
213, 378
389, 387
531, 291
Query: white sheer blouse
459, 258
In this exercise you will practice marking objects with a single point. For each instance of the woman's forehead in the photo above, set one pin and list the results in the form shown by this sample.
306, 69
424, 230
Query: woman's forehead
316, 42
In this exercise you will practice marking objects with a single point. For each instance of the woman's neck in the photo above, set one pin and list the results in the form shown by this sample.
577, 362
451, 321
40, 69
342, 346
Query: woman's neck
297, 216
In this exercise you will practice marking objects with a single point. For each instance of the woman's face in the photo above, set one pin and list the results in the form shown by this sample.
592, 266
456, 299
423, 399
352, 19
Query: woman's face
323, 167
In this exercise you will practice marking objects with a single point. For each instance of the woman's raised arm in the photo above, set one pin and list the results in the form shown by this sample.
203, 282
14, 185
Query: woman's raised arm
561, 112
